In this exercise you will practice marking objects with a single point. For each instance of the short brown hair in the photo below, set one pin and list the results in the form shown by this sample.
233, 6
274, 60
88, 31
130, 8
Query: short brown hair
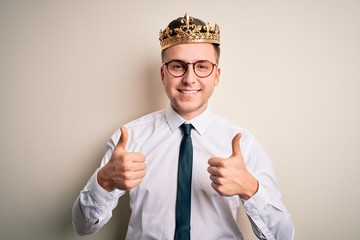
216, 47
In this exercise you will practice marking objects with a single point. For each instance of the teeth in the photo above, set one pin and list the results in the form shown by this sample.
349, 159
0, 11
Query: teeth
189, 91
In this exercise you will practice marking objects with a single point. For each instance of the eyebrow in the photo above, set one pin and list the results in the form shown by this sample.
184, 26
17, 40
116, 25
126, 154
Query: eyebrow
180, 60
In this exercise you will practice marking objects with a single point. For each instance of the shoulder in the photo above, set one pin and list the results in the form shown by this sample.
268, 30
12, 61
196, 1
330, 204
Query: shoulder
141, 126
147, 119
228, 128
224, 123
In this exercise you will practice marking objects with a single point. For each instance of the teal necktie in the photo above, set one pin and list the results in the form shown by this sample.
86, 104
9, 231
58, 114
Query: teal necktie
183, 197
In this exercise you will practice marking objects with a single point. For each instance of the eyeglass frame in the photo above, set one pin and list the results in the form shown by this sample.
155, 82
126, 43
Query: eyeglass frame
187, 64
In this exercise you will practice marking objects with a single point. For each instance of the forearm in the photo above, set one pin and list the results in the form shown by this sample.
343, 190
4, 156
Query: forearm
268, 216
265, 209
93, 208
82, 223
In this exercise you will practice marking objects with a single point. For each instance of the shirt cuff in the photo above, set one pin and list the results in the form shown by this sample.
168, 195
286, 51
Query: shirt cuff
100, 194
257, 202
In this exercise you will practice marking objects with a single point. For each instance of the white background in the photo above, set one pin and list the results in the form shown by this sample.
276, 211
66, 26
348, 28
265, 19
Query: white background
72, 71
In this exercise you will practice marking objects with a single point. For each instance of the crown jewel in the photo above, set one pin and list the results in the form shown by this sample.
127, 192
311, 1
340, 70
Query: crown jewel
188, 30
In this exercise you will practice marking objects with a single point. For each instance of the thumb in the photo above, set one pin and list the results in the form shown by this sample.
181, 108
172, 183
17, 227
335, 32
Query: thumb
123, 138
236, 145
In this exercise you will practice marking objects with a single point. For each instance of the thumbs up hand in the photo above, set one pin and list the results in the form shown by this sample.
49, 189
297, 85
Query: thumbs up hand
229, 176
124, 170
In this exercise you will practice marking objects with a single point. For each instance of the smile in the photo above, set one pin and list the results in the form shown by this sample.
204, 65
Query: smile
189, 91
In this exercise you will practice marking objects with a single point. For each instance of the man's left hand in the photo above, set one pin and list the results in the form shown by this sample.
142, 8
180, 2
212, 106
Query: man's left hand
230, 176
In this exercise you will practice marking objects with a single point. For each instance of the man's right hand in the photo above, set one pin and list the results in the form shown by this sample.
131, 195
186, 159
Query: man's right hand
124, 170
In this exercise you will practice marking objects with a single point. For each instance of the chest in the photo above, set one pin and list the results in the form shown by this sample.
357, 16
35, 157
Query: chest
162, 153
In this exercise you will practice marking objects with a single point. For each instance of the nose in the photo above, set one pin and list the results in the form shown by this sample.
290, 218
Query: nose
190, 76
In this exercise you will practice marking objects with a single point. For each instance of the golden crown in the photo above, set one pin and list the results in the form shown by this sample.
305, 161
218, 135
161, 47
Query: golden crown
188, 30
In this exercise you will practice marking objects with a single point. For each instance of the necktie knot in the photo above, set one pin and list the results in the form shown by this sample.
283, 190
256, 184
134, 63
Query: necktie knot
186, 128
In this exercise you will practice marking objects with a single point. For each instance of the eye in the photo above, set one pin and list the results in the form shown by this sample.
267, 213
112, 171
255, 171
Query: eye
203, 66
177, 66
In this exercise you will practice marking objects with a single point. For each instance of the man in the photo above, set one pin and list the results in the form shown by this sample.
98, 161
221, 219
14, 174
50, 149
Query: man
185, 180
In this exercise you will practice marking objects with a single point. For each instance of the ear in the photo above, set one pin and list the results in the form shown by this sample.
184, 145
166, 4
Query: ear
162, 73
217, 76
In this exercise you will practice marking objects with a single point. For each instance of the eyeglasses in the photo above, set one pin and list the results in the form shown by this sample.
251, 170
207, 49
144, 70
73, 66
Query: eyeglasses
178, 68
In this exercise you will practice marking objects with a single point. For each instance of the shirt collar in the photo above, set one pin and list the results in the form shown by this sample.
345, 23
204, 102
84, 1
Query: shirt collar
200, 123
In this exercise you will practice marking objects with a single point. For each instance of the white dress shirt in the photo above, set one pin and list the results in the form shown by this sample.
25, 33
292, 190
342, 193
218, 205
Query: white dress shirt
152, 203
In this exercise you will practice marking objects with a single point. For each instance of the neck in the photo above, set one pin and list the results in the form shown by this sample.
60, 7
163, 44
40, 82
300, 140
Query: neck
191, 114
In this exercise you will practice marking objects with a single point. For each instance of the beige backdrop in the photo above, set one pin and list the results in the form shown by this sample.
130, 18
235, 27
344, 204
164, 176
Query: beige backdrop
72, 71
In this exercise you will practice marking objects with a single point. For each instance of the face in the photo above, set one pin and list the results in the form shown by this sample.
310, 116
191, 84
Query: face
189, 94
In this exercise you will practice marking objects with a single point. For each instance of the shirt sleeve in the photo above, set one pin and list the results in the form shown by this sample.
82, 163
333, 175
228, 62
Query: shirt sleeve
267, 213
93, 207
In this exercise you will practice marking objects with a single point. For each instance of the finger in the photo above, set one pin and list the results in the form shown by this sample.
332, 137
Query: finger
215, 179
136, 182
139, 166
236, 145
132, 175
138, 175
129, 184
213, 170
132, 161
123, 138
215, 162
138, 157
216, 187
